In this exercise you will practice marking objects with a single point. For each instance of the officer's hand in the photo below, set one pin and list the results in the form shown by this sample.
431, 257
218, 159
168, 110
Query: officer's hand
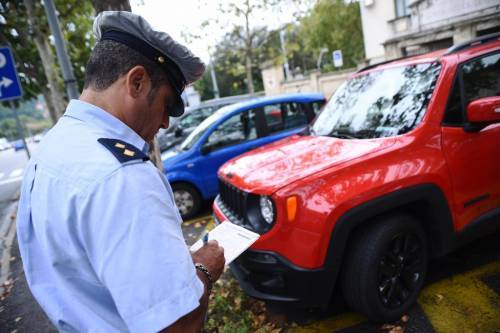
212, 256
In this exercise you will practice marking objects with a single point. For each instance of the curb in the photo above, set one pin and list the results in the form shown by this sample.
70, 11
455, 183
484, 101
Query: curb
7, 234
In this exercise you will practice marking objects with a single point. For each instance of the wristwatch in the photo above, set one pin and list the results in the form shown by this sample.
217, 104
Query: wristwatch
205, 271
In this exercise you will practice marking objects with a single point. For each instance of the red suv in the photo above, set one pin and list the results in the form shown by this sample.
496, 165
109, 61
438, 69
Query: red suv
402, 165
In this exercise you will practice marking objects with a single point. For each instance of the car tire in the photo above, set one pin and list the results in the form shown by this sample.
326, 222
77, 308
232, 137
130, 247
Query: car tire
385, 267
187, 199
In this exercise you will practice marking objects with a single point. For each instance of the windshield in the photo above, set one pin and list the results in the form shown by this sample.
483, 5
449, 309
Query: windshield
378, 104
200, 130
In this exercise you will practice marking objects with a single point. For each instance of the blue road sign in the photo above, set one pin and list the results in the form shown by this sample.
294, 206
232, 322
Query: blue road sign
10, 87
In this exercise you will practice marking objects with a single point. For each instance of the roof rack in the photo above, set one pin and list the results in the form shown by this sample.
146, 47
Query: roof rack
473, 42
452, 49
378, 64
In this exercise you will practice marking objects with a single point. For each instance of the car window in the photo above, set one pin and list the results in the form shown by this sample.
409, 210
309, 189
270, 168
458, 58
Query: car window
454, 114
195, 117
283, 116
238, 128
273, 114
316, 106
294, 115
481, 78
379, 103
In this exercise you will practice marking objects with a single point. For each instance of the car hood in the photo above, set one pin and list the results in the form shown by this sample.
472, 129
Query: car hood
274, 166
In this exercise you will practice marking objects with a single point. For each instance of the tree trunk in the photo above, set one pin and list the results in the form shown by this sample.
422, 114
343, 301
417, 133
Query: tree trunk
248, 48
50, 106
48, 63
102, 5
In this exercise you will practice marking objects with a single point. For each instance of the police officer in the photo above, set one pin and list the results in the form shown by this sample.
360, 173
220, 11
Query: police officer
99, 233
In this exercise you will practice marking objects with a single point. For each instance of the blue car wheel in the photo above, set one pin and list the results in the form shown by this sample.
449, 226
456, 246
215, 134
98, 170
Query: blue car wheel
187, 199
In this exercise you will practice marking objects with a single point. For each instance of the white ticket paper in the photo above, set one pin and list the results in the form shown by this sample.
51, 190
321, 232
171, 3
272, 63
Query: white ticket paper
233, 238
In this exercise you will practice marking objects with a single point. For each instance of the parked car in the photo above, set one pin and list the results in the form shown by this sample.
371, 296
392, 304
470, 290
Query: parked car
18, 145
4, 144
184, 125
231, 131
402, 165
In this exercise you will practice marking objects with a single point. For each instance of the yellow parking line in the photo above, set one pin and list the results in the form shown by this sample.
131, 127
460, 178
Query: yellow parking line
331, 324
210, 225
463, 303
199, 219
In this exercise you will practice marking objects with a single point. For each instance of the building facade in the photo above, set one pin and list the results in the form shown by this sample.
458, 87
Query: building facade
398, 28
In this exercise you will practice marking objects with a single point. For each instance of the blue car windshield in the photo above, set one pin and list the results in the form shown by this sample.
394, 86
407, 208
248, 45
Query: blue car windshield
380, 103
202, 128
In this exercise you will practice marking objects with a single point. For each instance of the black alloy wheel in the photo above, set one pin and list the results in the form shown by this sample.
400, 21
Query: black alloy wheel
385, 267
400, 269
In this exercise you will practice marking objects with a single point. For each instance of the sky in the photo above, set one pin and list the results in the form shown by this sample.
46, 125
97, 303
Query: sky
176, 17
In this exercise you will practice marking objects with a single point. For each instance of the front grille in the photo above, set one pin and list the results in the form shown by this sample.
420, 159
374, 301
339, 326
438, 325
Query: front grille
233, 199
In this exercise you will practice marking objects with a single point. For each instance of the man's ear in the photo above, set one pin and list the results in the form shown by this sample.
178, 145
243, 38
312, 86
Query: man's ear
137, 81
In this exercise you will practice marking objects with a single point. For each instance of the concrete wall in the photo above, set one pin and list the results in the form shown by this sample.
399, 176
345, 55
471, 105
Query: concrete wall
433, 14
325, 83
374, 17
432, 24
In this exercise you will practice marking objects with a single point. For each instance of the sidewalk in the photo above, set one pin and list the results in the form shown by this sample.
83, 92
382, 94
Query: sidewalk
19, 312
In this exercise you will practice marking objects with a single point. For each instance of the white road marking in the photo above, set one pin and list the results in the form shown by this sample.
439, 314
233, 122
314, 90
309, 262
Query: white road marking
16, 173
11, 180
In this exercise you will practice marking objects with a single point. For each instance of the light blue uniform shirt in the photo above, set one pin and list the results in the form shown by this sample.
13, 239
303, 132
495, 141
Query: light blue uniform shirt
101, 241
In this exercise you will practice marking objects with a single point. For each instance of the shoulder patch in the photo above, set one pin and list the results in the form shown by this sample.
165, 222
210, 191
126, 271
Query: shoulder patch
124, 152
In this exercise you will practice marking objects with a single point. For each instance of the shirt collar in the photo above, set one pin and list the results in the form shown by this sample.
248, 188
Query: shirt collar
104, 120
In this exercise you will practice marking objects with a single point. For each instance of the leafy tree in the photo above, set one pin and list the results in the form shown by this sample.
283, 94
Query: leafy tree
336, 25
25, 29
229, 60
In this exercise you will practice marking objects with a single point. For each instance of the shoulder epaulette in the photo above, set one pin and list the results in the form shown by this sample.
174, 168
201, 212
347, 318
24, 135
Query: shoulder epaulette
123, 151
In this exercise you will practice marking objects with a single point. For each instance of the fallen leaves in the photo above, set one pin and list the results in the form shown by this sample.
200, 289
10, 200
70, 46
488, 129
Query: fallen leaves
398, 327
230, 310
5, 289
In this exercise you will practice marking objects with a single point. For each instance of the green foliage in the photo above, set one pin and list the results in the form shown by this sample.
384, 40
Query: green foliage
75, 19
336, 25
14, 32
229, 60
32, 119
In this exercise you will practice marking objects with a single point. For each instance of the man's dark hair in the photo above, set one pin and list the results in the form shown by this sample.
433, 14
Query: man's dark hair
110, 60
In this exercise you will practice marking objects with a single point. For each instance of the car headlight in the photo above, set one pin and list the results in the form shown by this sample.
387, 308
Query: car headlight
267, 209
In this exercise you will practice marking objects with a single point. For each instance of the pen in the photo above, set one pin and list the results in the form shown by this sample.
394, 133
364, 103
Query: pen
205, 239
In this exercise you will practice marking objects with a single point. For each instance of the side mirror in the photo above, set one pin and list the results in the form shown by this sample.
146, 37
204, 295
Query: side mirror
483, 112
178, 132
206, 149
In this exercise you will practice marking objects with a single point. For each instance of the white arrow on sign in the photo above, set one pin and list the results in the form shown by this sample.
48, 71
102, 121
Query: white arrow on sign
6, 82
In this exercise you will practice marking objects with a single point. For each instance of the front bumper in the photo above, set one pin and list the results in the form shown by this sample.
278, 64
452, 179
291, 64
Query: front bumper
268, 276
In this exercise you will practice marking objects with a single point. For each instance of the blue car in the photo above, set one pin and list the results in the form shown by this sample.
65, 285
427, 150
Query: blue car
232, 130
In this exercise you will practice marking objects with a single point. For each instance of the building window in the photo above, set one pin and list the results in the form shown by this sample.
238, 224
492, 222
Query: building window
402, 8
